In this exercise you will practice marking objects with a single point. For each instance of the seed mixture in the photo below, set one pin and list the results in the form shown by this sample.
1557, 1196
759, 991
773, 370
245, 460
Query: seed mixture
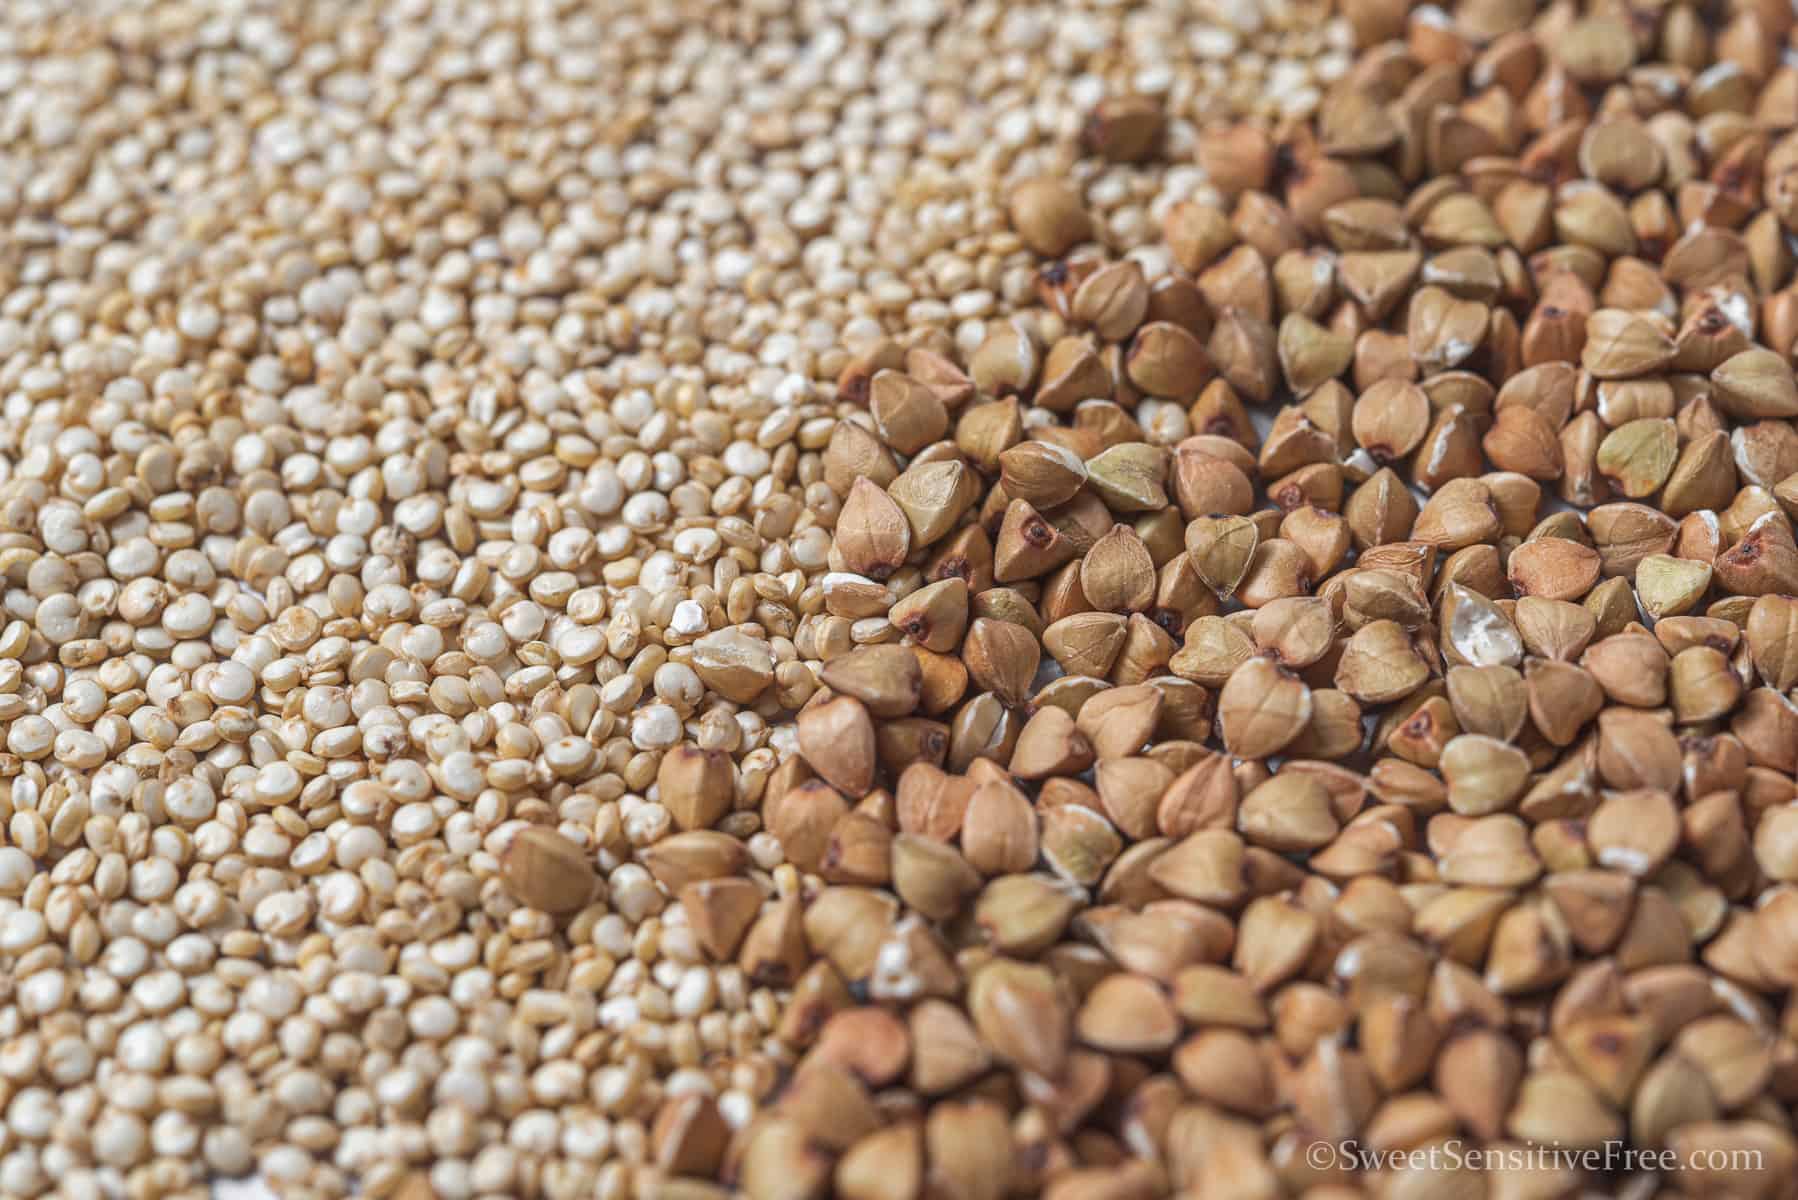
889, 600
411, 419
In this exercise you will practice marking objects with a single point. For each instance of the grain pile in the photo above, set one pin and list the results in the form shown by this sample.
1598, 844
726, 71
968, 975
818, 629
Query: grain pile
411, 421
1414, 775
647, 599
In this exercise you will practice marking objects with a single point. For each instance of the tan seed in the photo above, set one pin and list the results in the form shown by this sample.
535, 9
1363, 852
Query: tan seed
546, 871
1621, 344
931, 877
837, 739
1022, 1015
872, 534
1489, 700
1261, 708
1669, 586
1226, 1068
1049, 744
1484, 774
1289, 813
720, 912
1379, 664
1130, 477
1637, 457
1113, 301
1634, 832
1295, 631
1120, 721
1049, 216
1561, 1107
1130, 789
1703, 684
934, 616
1128, 1014
885, 1165
946, 1049
1124, 128
1475, 632
695, 786
999, 831
1002, 658
1041, 473
1168, 361
1086, 643
1117, 574
1756, 384
933, 496
1554, 568
1215, 647
907, 414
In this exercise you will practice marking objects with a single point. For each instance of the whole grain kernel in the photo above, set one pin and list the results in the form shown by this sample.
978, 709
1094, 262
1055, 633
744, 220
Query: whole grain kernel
547, 871
1380, 664
1289, 812
1049, 216
1637, 457
1554, 568
1261, 708
1117, 574
1668, 586
1483, 773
